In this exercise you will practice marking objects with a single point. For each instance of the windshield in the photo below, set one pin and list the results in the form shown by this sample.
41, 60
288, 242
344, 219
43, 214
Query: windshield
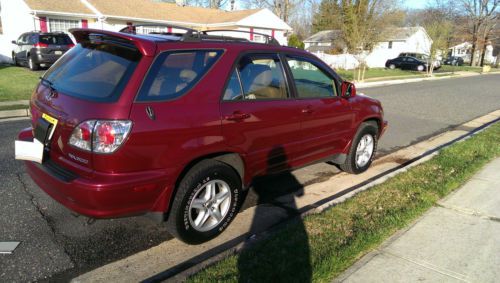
97, 72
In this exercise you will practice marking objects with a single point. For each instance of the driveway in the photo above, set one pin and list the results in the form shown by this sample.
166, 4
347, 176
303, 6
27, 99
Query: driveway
57, 245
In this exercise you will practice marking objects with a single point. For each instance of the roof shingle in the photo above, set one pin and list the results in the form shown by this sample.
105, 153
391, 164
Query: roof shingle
65, 6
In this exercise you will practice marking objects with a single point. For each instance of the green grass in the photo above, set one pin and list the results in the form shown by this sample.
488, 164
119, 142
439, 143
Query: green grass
16, 83
325, 244
379, 73
448, 68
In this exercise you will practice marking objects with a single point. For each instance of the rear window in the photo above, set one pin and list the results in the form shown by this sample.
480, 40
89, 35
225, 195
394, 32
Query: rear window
97, 72
174, 73
59, 39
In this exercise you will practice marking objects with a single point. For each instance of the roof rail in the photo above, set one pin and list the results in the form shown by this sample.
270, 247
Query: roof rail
269, 39
192, 35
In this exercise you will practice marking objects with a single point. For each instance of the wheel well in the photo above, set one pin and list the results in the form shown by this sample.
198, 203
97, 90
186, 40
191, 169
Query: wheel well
230, 158
375, 121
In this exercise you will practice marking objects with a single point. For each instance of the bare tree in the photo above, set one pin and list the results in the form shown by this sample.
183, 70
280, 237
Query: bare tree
480, 14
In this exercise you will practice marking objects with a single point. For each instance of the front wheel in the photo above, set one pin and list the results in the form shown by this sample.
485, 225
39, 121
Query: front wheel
420, 68
207, 200
363, 148
392, 66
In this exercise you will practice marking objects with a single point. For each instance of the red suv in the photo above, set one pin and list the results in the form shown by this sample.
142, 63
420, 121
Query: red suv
178, 125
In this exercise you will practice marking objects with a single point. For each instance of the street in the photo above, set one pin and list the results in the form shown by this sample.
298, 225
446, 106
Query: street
58, 245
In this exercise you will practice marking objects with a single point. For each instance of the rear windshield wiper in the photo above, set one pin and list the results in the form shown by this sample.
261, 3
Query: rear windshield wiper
49, 84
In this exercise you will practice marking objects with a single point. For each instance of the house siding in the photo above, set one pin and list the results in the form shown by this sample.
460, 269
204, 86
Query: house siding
13, 11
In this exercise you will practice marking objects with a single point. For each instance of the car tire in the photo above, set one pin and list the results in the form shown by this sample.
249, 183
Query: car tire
355, 163
392, 66
14, 60
420, 68
207, 188
32, 65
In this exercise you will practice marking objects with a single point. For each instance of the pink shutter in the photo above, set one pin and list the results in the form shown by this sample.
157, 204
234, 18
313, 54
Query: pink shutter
251, 33
43, 24
169, 29
272, 33
85, 23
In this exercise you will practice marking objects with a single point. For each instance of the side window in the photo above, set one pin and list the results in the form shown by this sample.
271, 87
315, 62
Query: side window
233, 89
261, 78
310, 80
174, 73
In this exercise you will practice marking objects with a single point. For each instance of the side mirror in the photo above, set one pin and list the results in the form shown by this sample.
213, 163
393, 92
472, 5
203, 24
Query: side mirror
14, 42
348, 89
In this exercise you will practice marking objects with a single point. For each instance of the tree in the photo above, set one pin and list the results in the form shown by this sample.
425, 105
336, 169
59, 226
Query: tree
294, 41
361, 23
480, 15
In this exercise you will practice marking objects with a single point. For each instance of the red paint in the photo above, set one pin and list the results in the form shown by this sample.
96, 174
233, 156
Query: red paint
141, 175
251, 33
85, 23
43, 24
169, 29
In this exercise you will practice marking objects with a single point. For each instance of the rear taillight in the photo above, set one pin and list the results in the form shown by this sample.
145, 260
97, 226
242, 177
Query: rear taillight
41, 45
100, 136
71, 45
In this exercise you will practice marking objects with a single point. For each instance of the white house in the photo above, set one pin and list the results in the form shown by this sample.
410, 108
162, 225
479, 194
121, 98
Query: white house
464, 51
19, 16
397, 40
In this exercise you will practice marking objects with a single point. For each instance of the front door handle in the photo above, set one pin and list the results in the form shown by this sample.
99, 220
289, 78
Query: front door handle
308, 110
237, 116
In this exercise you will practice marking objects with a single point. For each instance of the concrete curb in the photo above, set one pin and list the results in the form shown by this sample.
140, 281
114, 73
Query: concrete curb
173, 258
14, 113
410, 80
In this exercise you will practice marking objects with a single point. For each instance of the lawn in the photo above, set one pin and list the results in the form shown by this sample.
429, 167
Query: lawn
449, 68
16, 83
379, 73
323, 245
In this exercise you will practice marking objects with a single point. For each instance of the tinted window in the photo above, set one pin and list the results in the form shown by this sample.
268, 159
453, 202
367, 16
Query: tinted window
174, 73
94, 71
261, 78
310, 80
59, 39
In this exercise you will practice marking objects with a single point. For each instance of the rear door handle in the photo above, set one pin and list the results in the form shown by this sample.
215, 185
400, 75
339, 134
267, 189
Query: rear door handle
237, 116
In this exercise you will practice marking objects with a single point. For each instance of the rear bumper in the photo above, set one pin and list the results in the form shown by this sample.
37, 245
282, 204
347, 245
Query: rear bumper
103, 195
46, 58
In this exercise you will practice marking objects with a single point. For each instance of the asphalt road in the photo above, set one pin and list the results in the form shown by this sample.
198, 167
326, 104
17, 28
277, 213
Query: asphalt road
57, 245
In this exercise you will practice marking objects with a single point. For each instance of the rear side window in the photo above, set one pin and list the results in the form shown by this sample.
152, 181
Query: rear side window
174, 73
55, 39
97, 72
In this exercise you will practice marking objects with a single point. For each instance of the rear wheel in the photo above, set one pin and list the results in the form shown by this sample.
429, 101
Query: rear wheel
14, 60
420, 68
362, 149
392, 66
207, 200
32, 65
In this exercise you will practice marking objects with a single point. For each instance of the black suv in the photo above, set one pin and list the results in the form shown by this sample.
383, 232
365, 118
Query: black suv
40, 48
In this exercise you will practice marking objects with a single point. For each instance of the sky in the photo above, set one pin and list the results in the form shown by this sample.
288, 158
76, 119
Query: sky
415, 4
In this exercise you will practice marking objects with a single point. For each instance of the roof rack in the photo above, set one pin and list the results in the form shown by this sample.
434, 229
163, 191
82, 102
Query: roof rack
192, 35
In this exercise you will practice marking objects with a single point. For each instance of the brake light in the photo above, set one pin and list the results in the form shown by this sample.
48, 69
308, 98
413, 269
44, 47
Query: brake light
71, 45
100, 136
41, 45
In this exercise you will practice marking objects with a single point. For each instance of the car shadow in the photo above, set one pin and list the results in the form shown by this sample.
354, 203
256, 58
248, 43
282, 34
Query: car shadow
276, 191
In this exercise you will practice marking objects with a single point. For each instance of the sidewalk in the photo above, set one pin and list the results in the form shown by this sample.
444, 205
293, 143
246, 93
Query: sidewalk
458, 241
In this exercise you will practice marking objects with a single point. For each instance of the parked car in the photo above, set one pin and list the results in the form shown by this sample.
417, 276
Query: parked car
454, 60
422, 57
407, 63
178, 126
40, 48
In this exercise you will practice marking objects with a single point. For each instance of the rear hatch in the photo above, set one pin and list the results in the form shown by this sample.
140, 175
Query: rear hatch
90, 82
54, 44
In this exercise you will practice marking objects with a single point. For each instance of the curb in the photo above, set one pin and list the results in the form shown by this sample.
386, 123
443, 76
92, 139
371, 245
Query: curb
14, 113
361, 85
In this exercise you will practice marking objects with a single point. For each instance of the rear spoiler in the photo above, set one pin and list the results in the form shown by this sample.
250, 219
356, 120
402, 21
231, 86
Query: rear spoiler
145, 46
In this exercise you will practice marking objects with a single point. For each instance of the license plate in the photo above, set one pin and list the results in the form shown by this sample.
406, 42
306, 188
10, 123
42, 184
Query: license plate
52, 121
34, 150
58, 52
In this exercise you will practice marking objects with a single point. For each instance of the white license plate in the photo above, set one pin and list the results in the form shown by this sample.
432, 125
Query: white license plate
58, 52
